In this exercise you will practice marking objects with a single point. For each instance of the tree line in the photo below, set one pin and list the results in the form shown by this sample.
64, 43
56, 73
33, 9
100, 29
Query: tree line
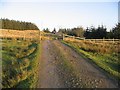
93, 33
96, 33
78, 32
17, 25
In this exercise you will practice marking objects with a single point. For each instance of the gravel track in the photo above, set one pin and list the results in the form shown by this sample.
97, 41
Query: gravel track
77, 73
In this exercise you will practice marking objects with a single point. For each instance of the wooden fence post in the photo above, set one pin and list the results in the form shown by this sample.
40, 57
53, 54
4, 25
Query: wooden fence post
73, 37
84, 39
103, 40
113, 40
24, 36
63, 36
39, 36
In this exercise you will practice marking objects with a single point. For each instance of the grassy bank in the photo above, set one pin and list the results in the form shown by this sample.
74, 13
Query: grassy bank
20, 63
105, 59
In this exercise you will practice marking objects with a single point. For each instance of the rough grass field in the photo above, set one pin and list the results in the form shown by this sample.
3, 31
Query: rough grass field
105, 55
6, 33
19, 63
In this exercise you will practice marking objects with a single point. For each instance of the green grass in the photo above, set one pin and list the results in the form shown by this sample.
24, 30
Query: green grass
20, 63
107, 61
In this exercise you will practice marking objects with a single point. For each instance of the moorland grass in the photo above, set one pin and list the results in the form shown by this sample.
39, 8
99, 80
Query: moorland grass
20, 63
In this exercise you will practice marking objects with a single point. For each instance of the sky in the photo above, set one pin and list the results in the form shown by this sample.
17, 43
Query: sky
62, 13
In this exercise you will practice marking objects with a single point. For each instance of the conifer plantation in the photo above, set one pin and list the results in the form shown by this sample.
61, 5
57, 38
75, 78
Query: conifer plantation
17, 25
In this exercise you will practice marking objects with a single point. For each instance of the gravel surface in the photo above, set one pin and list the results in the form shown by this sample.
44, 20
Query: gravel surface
77, 73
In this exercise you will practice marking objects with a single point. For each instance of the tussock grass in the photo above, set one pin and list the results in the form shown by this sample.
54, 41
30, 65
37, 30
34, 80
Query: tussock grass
20, 63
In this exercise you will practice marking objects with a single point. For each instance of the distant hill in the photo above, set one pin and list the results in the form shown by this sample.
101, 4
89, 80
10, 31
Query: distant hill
17, 25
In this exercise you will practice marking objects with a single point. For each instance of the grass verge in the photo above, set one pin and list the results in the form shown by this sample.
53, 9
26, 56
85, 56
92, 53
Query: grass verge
20, 63
107, 62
